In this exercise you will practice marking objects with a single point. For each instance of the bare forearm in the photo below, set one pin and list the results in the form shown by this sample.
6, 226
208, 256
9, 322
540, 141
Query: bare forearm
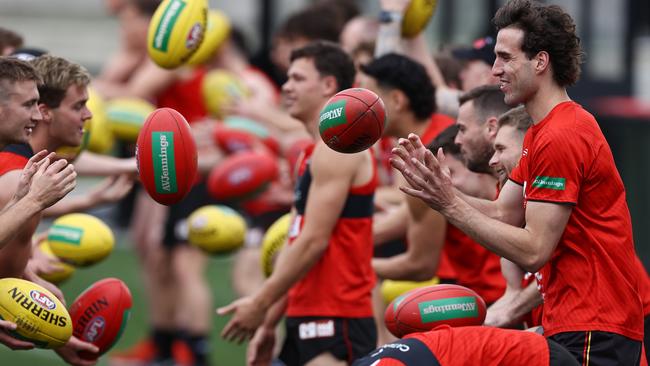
68, 205
90, 163
275, 313
513, 243
13, 218
292, 265
403, 267
486, 207
528, 299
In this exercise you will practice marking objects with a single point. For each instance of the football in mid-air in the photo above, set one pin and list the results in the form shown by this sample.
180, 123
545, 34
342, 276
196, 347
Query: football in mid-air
166, 156
352, 120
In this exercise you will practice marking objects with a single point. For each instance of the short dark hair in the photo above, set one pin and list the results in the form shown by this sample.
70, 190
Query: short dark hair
146, 7
546, 28
9, 38
400, 72
315, 23
330, 60
516, 117
488, 101
446, 140
13, 70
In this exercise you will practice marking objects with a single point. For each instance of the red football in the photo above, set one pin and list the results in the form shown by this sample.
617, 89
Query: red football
425, 308
242, 176
166, 155
232, 140
100, 313
352, 120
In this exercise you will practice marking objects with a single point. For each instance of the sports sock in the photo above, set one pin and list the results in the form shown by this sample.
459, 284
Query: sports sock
163, 339
200, 348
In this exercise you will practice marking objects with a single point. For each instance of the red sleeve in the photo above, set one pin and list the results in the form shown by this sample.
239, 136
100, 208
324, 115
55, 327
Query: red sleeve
517, 176
557, 167
10, 161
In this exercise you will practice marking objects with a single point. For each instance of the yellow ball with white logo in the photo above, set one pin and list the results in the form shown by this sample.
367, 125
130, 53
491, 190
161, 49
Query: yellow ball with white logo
273, 241
40, 317
64, 271
80, 239
217, 31
216, 229
417, 16
221, 88
126, 117
390, 289
176, 31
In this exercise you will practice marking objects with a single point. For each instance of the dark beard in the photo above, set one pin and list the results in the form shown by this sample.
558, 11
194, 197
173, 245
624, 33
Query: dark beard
481, 163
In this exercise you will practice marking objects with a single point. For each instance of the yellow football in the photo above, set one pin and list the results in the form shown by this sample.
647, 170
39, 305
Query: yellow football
392, 289
176, 30
221, 88
417, 16
216, 32
64, 271
273, 241
80, 239
216, 229
41, 318
126, 116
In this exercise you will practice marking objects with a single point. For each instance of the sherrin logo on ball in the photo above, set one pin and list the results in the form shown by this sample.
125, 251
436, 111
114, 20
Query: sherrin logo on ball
40, 317
176, 31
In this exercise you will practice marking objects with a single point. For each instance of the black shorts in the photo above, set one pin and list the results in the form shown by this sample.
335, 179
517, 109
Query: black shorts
646, 336
390, 248
600, 348
176, 230
559, 356
345, 338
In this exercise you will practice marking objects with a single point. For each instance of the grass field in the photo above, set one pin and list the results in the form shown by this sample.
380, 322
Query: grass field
123, 264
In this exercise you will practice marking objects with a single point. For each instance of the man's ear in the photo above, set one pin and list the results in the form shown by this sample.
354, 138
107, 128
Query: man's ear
330, 85
399, 99
493, 127
46, 112
542, 61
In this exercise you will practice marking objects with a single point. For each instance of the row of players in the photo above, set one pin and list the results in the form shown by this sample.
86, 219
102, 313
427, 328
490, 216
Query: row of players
304, 105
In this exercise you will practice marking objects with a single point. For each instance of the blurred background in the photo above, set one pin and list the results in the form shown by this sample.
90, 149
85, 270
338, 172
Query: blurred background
615, 86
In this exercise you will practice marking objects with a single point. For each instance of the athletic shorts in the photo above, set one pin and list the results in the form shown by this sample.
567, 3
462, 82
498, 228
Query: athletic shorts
600, 348
559, 356
345, 338
176, 229
390, 248
646, 336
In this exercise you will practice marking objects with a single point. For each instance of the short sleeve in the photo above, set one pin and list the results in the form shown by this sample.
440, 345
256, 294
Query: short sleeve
557, 166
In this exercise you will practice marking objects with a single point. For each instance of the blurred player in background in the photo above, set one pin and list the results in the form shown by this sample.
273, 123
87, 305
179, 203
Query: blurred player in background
320, 254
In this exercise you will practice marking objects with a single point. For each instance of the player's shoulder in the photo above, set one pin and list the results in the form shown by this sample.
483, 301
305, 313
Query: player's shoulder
325, 159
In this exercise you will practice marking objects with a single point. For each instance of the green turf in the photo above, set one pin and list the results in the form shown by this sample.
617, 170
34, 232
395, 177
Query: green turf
122, 264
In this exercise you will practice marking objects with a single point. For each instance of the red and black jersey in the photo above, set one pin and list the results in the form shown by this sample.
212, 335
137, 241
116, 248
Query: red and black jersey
185, 96
15, 157
341, 282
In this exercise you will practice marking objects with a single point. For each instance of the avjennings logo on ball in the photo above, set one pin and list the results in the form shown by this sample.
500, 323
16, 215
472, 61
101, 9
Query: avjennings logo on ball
457, 307
164, 168
332, 115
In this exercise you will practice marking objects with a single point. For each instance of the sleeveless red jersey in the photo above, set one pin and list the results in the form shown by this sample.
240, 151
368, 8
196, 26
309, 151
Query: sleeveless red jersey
15, 157
439, 122
476, 267
186, 96
590, 281
341, 282
485, 346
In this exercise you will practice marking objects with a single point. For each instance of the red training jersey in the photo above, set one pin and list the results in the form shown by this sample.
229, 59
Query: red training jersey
185, 96
484, 346
14, 157
476, 267
341, 282
590, 281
